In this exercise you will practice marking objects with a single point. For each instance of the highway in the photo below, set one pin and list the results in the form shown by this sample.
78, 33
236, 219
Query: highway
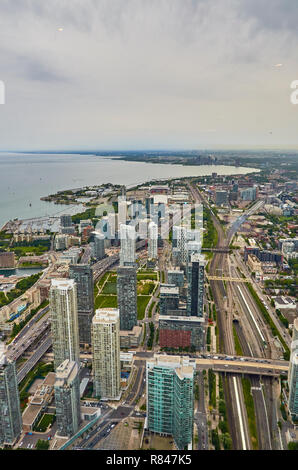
254, 335
29, 335
38, 327
37, 355
281, 328
224, 323
254, 338
200, 417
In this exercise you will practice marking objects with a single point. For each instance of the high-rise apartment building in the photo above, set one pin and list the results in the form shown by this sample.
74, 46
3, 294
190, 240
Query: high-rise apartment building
64, 320
249, 194
65, 220
169, 383
295, 332
195, 291
99, 245
293, 374
152, 240
127, 296
83, 276
293, 384
221, 197
168, 298
67, 398
127, 245
122, 211
179, 245
176, 277
106, 353
10, 412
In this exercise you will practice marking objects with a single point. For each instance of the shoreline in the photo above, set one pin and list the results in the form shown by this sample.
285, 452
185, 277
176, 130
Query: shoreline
247, 170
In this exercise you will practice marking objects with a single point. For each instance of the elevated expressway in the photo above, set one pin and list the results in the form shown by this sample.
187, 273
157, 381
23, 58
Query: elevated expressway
238, 365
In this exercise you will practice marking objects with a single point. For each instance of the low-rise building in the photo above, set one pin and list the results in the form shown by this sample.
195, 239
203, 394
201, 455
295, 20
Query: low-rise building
254, 264
7, 260
131, 338
179, 331
39, 402
284, 303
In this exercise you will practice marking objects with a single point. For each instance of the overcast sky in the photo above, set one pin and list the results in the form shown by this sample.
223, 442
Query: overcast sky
145, 74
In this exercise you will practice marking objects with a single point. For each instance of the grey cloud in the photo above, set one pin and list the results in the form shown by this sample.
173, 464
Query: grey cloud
139, 70
274, 14
35, 69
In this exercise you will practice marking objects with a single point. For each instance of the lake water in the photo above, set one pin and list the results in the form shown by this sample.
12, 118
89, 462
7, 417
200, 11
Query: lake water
19, 272
24, 178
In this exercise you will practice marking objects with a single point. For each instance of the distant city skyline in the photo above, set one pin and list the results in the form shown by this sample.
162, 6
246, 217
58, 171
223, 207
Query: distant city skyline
148, 75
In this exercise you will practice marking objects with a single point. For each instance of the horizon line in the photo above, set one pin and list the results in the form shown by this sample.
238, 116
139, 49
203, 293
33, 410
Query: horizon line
169, 149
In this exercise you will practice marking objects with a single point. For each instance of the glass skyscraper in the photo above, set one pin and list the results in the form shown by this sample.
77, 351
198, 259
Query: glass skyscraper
170, 381
10, 412
195, 291
106, 353
127, 296
64, 321
83, 276
293, 374
67, 398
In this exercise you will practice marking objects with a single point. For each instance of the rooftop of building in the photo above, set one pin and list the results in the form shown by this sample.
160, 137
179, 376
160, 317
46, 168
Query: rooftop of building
169, 289
66, 373
136, 331
185, 372
89, 410
62, 283
103, 315
197, 257
294, 358
30, 414
172, 361
284, 301
181, 318
254, 258
44, 390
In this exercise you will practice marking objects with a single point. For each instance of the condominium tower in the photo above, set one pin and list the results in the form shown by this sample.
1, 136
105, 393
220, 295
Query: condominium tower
170, 403
127, 245
99, 245
106, 353
65, 220
168, 298
64, 320
122, 211
179, 245
195, 292
152, 240
293, 374
67, 398
83, 276
10, 412
127, 296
